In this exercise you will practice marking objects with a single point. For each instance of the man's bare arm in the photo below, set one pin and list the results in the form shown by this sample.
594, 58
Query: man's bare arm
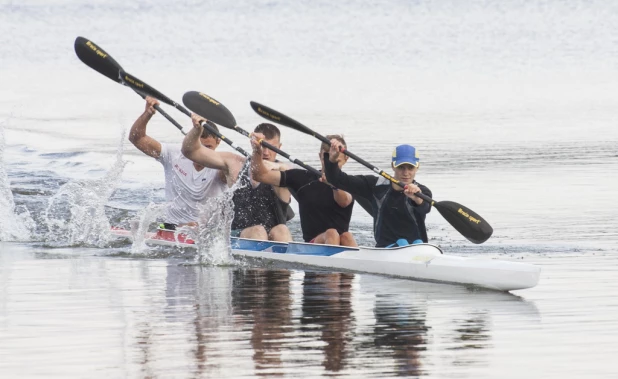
260, 172
282, 192
342, 198
228, 163
193, 149
138, 136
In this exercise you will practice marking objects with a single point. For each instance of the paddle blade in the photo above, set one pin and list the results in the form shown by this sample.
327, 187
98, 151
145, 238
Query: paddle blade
97, 59
280, 118
143, 88
209, 108
465, 221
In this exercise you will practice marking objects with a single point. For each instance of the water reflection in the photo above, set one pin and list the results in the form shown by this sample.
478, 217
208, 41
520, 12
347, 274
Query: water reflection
271, 322
164, 318
419, 326
263, 300
472, 331
471, 338
401, 332
201, 299
327, 307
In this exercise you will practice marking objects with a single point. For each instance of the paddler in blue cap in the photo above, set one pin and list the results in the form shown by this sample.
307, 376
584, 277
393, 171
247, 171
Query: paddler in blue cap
398, 215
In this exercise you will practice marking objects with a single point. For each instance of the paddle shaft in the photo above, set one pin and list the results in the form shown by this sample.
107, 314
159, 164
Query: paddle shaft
99, 60
170, 119
384, 174
373, 168
442, 207
139, 86
221, 136
213, 110
278, 117
280, 152
467, 222
164, 114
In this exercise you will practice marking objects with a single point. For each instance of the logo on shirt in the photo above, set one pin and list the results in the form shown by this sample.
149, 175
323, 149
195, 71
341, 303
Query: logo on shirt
183, 172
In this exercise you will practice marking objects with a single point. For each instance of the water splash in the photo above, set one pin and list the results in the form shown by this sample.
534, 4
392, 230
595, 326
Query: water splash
215, 224
75, 215
16, 224
212, 236
139, 229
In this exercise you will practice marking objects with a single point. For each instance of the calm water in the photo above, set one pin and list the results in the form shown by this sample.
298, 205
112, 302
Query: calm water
511, 104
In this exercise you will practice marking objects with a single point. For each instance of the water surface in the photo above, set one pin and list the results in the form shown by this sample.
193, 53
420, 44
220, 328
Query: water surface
511, 105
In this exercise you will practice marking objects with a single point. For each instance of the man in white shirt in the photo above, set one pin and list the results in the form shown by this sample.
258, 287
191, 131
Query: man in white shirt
186, 183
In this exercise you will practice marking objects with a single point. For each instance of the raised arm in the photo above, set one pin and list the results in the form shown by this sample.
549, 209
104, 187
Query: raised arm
192, 148
282, 192
342, 198
357, 185
138, 136
260, 172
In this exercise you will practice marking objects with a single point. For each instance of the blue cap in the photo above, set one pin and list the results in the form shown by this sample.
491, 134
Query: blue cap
405, 154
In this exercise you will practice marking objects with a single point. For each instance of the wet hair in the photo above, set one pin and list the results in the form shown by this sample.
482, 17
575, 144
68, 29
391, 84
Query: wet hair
206, 133
269, 131
329, 137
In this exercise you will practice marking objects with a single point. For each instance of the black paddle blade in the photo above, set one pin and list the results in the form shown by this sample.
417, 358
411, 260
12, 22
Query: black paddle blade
142, 87
97, 59
209, 108
465, 221
280, 118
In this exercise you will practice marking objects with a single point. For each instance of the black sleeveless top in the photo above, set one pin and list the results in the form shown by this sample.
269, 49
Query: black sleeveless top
257, 206
317, 207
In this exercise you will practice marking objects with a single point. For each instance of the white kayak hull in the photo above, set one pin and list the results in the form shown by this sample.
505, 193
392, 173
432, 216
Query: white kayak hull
420, 262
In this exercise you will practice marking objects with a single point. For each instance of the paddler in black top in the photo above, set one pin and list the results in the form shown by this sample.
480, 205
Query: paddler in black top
257, 205
398, 215
262, 220
325, 211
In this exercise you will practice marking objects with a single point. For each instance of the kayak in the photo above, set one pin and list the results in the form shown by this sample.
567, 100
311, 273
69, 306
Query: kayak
424, 262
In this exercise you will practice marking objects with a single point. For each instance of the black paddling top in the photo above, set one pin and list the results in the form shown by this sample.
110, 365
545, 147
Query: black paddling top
395, 215
257, 206
316, 204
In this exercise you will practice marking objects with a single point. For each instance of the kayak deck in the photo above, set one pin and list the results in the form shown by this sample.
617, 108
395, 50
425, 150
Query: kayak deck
419, 262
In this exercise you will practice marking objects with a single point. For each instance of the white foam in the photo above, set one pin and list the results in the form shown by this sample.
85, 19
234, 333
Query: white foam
215, 223
16, 224
75, 215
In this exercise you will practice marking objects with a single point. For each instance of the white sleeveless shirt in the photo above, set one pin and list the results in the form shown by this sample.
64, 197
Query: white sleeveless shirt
185, 187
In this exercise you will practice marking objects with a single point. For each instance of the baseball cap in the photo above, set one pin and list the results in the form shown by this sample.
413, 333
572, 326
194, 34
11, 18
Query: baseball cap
405, 154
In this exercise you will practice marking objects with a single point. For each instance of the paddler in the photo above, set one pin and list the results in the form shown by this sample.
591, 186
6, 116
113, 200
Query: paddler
186, 183
261, 211
398, 215
325, 211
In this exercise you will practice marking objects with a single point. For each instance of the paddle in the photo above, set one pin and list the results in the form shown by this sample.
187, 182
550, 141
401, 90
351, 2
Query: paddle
464, 220
97, 59
214, 111
141, 86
